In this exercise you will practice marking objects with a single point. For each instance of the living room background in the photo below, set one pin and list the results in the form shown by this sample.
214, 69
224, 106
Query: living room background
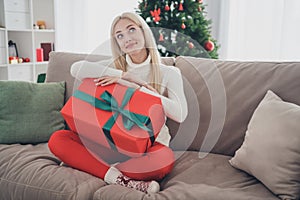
246, 30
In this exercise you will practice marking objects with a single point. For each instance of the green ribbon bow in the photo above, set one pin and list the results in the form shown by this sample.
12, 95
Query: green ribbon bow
110, 104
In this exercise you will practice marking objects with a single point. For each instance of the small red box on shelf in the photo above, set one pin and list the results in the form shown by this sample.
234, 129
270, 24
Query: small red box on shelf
115, 116
39, 55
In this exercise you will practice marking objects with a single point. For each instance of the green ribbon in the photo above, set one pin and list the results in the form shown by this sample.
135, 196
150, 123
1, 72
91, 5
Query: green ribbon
110, 104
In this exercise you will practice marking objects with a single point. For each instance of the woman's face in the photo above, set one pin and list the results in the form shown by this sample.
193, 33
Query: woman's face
129, 36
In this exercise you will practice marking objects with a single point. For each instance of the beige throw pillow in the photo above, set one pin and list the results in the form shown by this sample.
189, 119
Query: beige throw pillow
271, 149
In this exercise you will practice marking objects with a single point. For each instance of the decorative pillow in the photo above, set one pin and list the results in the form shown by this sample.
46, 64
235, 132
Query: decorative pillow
30, 112
271, 149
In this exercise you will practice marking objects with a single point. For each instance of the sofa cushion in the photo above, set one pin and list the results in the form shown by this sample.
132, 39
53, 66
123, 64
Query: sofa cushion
30, 112
193, 178
226, 104
59, 68
272, 141
61, 62
32, 172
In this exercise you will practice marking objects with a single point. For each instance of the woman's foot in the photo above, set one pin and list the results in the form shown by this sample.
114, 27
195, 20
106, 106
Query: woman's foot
144, 186
114, 176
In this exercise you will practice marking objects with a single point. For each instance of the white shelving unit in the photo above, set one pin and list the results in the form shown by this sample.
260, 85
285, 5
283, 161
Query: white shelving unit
17, 19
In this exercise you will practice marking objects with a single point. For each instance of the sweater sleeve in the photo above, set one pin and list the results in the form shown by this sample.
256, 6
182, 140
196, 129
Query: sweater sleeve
86, 69
175, 105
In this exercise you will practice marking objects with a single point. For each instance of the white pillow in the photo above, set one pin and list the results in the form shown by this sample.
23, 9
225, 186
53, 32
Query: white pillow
271, 149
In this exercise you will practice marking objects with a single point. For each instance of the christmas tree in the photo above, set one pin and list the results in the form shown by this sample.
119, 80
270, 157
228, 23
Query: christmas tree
180, 27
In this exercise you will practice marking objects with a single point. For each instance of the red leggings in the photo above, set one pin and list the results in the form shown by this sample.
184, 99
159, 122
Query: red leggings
96, 159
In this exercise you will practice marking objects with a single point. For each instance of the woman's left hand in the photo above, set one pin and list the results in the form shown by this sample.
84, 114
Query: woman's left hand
106, 80
149, 87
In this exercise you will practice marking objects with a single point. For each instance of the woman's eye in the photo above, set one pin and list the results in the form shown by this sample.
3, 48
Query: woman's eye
131, 30
119, 36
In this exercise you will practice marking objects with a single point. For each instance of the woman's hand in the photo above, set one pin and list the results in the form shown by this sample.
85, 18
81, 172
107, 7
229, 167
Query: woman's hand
149, 87
106, 80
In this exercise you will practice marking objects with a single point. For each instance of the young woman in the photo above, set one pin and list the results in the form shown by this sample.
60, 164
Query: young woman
136, 63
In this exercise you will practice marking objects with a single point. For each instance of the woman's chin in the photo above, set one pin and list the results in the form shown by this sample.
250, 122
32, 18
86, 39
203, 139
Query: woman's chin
134, 51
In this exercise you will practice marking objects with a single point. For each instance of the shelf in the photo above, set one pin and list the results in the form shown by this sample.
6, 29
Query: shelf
30, 30
44, 30
21, 64
41, 63
19, 30
3, 65
26, 63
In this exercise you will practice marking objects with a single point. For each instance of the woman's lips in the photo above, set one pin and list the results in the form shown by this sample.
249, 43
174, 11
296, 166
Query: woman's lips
129, 46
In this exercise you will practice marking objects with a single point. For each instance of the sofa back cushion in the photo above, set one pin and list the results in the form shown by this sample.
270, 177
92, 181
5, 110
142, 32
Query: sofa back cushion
60, 64
226, 93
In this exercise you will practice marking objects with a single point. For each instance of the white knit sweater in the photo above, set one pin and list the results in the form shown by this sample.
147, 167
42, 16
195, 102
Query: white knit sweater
174, 102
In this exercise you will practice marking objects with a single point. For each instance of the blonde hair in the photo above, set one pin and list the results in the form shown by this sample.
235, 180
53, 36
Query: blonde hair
119, 56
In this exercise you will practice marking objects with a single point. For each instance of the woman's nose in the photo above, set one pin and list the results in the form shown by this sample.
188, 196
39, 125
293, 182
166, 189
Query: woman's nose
127, 39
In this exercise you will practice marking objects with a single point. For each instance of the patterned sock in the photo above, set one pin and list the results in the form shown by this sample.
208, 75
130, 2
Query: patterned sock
114, 176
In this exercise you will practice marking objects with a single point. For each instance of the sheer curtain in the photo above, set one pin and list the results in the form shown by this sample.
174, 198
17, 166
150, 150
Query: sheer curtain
257, 29
84, 25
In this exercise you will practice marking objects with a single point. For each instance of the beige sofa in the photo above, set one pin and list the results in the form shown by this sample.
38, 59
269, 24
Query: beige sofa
222, 96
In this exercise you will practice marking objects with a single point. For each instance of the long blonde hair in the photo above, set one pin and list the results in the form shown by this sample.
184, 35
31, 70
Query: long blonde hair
120, 58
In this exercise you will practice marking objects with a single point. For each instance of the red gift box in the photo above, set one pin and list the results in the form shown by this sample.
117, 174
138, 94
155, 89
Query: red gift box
115, 116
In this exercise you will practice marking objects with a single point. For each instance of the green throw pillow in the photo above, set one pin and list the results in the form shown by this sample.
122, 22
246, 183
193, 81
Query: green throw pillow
30, 112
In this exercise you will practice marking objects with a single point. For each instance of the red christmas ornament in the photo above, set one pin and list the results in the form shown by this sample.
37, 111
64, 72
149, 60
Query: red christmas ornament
180, 7
191, 45
167, 7
155, 14
183, 26
161, 37
200, 1
209, 45
199, 8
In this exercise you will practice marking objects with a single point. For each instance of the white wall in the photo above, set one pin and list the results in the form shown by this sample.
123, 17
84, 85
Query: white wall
83, 25
246, 30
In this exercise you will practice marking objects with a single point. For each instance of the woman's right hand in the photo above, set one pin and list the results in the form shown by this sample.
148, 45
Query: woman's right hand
107, 80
